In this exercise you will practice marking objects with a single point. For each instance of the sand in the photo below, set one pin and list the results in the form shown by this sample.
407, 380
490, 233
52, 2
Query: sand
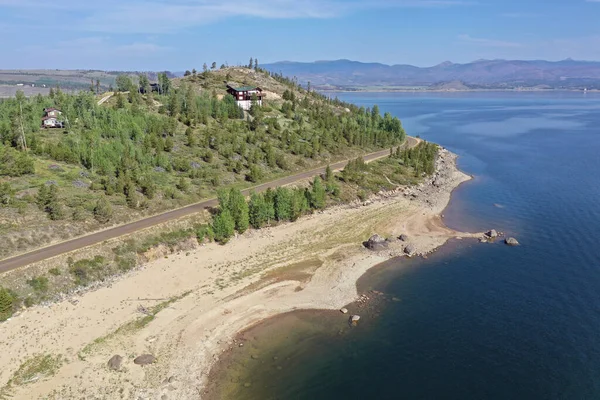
313, 263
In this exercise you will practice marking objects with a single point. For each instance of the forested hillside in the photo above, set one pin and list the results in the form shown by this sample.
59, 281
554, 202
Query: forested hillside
139, 154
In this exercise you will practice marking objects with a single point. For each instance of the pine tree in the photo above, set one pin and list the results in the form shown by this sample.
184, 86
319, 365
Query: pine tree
328, 174
283, 204
191, 139
251, 63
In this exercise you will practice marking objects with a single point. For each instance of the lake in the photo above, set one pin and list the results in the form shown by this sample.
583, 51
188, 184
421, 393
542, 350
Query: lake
473, 321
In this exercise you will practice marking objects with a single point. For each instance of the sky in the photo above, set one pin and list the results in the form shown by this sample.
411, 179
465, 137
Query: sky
183, 34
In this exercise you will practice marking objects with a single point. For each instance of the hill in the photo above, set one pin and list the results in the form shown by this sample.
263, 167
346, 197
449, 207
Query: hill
140, 154
481, 74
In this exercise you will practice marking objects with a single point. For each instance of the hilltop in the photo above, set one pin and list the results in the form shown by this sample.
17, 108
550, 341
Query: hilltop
480, 74
140, 154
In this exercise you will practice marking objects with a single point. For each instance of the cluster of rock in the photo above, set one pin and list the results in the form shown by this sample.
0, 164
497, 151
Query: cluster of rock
377, 243
115, 363
492, 235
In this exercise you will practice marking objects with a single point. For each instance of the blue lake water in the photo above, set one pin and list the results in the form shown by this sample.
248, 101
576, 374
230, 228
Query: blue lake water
474, 321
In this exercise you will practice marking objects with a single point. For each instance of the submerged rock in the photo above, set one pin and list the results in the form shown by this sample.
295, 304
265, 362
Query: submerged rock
144, 359
354, 319
376, 242
115, 362
511, 241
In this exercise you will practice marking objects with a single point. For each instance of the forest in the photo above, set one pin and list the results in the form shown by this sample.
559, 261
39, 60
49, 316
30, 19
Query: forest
144, 152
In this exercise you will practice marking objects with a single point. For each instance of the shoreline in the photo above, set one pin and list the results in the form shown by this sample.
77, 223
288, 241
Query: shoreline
360, 266
313, 263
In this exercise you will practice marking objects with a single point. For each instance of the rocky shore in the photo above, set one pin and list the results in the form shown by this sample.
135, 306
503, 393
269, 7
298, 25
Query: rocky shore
313, 263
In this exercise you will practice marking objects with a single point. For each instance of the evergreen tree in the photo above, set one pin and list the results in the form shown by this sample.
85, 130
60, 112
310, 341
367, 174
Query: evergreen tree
251, 63
328, 174
213, 66
191, 139
255, 64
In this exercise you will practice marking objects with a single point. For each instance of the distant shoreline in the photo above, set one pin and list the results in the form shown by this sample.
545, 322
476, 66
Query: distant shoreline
384, 90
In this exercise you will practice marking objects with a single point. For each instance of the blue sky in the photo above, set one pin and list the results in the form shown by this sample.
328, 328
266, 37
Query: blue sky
183, 34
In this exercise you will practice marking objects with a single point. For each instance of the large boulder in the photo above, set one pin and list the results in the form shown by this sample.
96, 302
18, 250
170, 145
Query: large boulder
511, 241
376, 242
410, 249
115, 362
144, 359
492, 234
354, 319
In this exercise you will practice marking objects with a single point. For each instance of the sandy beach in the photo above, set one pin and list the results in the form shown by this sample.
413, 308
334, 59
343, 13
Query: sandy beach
313, 263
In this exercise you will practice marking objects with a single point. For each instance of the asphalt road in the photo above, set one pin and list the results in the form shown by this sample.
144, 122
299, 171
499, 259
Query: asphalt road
94, 238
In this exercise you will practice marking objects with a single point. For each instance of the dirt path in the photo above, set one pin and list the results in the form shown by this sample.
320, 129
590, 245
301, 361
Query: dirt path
111, 233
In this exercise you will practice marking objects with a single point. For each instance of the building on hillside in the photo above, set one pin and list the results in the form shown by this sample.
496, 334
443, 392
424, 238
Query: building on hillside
245, 94
51, 118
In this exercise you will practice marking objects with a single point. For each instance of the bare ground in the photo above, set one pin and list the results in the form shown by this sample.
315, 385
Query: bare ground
312, 263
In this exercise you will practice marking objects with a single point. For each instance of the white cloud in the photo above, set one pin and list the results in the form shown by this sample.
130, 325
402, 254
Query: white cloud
489, 42
157, 16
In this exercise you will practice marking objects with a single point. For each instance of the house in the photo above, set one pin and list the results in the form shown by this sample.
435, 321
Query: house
51, 118
245, 94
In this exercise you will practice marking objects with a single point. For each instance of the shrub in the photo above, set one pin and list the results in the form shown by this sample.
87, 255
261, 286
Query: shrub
39, 283
7, 303
55, 271
103, 211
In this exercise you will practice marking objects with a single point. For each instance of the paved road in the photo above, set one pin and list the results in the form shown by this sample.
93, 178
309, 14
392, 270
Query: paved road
93, 238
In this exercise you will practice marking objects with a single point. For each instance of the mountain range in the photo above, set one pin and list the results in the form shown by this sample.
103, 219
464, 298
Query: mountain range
480, 74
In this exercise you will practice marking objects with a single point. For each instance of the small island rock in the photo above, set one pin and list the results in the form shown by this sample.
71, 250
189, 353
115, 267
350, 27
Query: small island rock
144, 359
353, 320
511, 241
492, 234
376, 242
115, 362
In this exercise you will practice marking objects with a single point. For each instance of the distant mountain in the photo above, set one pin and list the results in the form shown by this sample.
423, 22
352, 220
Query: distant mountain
478, 74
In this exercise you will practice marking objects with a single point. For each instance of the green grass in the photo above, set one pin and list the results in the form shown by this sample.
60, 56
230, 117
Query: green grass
34, 369
130, 327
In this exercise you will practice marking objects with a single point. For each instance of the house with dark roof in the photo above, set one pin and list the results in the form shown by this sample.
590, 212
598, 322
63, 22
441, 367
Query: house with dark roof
244, 95
51, 118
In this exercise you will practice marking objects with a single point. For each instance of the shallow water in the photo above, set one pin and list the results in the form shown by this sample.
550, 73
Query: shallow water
474, 320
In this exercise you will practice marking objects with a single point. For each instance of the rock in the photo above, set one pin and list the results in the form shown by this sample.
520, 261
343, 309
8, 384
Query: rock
195, 165
115, 362
375, 243
159, 169
354, 319
511, 241
403, 237
80, 184
492, 234
144, 359
344, 311
483, 240
410, 249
